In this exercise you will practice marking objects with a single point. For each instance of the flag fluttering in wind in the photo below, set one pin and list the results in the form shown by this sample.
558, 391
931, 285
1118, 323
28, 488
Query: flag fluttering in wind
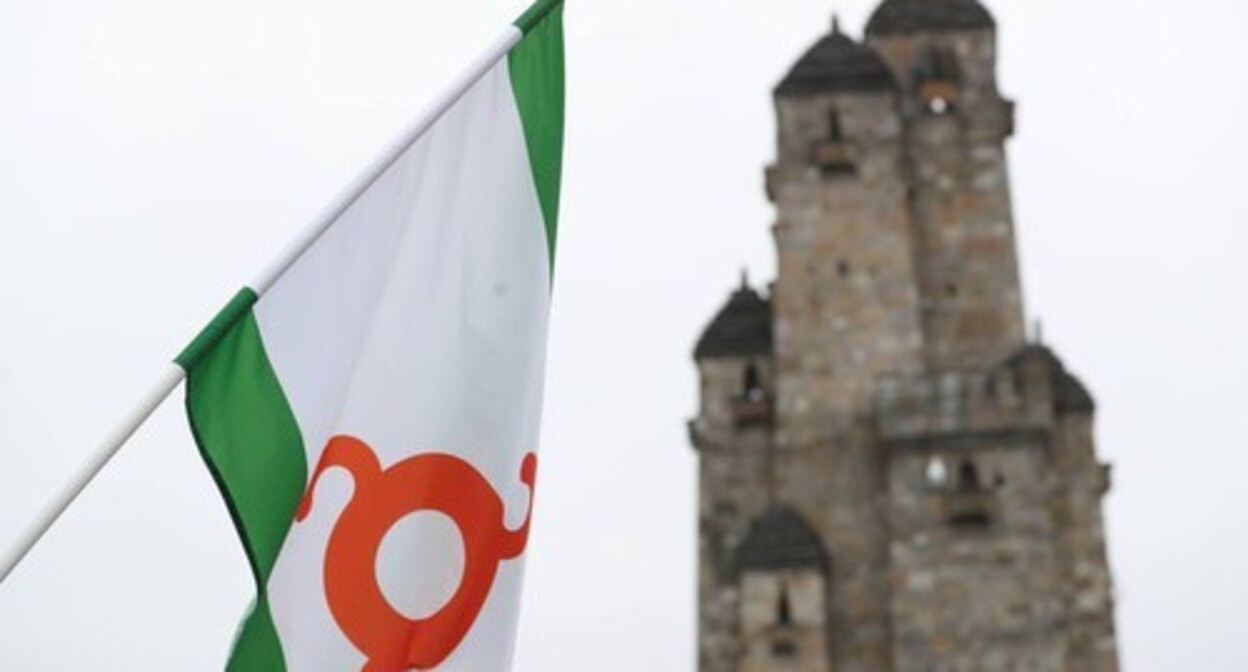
370, 410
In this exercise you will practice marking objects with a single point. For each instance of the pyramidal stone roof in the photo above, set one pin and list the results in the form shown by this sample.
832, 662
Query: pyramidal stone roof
742, 328
781, 539
836, 64
912, 16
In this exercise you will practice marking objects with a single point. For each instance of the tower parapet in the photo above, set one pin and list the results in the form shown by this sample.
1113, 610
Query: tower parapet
1028, 392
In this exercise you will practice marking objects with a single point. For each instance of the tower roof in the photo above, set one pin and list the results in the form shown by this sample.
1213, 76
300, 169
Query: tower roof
836, 64
742, 328
1069, 393
781, 539
911, 16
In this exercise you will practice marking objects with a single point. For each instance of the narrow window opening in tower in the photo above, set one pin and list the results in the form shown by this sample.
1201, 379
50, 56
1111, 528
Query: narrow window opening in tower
784, 611
968, 477
834, 127
842, 268
937, 78
752, 385
945, 65
936, 474
969, 505
951, 290
835, 157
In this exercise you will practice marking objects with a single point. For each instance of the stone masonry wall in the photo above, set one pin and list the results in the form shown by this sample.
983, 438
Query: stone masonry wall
960, 196
979, 596
733, 489
1027, 585
845, 310
845, 301
1088, 587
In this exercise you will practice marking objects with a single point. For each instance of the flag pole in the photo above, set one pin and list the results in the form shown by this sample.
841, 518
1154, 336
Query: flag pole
87, 472
169, 381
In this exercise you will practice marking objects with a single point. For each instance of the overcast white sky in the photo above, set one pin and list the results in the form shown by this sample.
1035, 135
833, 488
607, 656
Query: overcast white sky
154, 153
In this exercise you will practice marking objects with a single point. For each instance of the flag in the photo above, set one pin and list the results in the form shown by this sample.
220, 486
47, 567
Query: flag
371, 415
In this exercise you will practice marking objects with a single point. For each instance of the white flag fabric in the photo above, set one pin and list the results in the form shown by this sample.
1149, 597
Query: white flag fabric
372, 417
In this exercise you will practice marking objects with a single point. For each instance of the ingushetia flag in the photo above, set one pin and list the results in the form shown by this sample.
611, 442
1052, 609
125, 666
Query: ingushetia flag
371, 417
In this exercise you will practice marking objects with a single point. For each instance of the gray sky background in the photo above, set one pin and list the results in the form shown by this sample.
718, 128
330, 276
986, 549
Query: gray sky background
155, 153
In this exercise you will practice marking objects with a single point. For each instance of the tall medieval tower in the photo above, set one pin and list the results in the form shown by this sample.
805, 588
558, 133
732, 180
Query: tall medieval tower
892, 476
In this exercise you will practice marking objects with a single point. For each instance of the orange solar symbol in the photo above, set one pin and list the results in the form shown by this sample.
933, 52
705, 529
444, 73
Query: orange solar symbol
427, 482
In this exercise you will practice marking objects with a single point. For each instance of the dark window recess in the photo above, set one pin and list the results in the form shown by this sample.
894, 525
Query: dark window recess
968, 505
784, 649
752, 386
784, 612
951, 290
752, 406
944, 65
839, 169
834, 127
842, 268
834, 155
937, 79
938, 64
970, 517
968, 477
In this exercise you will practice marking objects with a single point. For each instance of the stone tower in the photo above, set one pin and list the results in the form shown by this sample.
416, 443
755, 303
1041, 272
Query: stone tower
891, 476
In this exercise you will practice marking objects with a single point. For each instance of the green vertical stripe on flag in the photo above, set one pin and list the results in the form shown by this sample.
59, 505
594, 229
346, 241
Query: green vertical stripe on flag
536, 13
537, 79
257, 647
248, 437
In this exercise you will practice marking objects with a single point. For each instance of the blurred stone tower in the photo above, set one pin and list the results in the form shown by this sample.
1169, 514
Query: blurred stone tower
891, 476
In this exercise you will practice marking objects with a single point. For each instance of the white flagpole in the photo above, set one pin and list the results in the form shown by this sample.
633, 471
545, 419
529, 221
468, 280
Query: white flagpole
88, 471
497, 50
